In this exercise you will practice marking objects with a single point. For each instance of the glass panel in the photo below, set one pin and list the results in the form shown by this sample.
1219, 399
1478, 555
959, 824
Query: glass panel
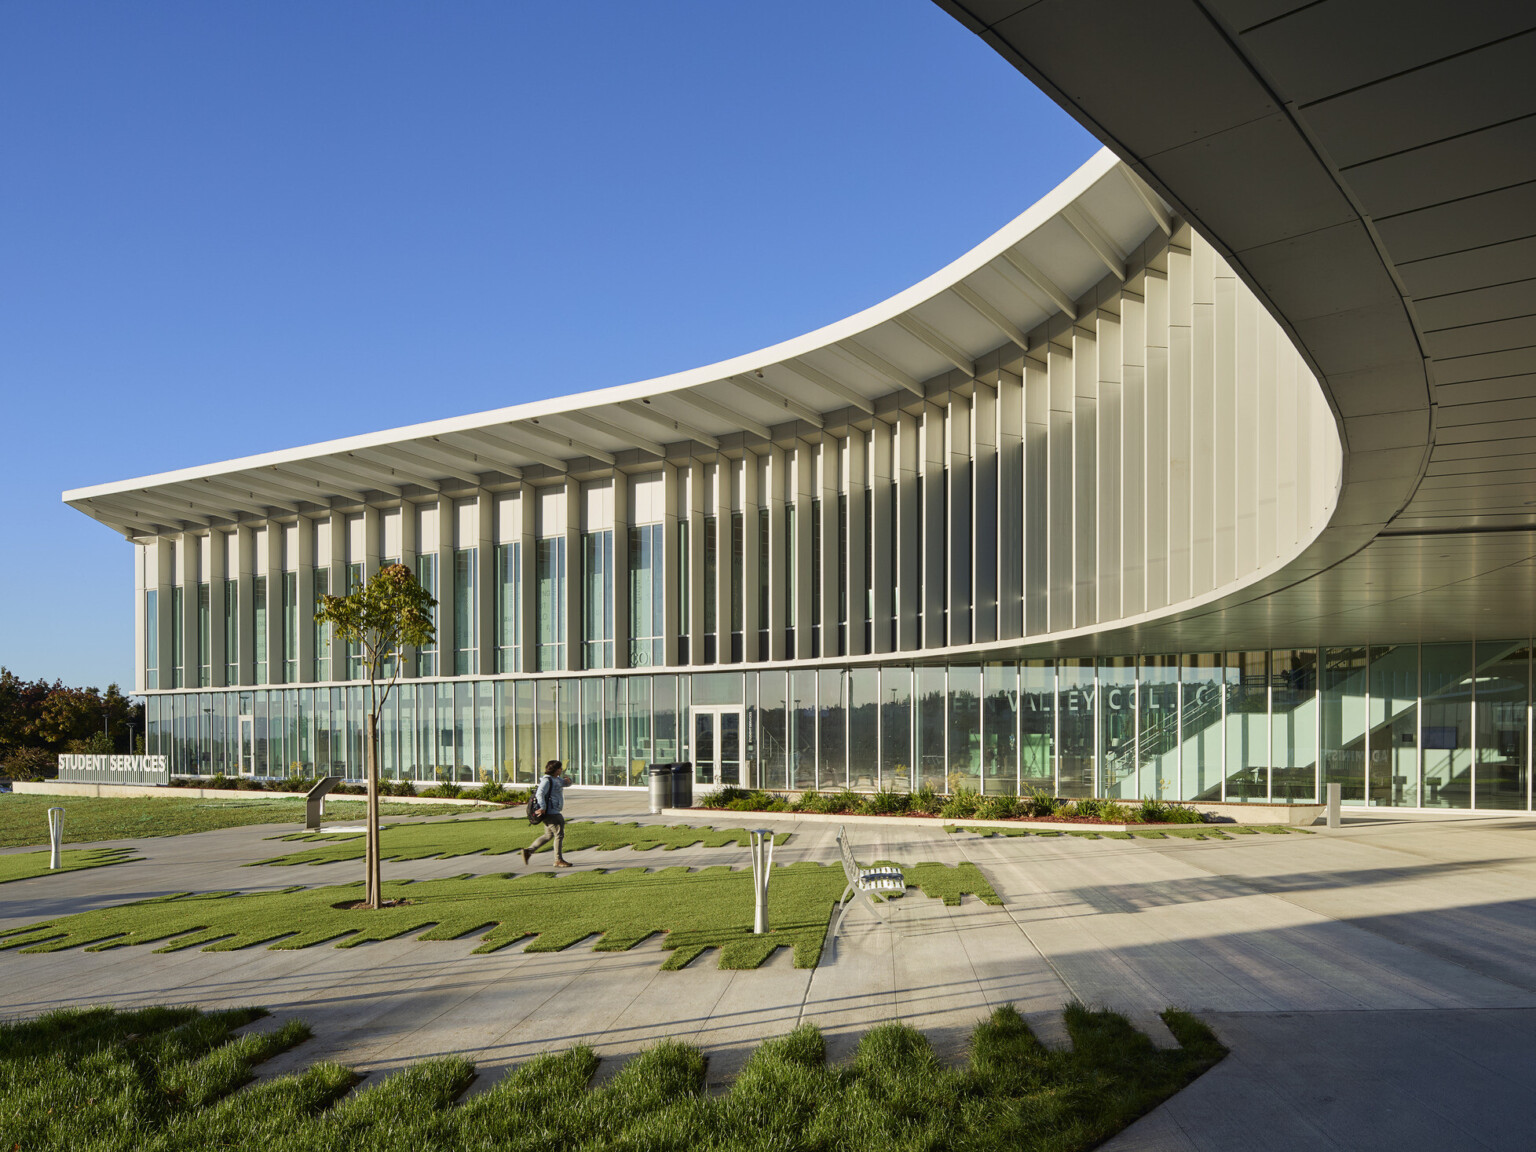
863, 728
291, 729
1201, 687
152, 644
802, 747
896, 729
260, 732
485, 732
547, 724
615, 749
645, 598
1076, 728
1157, 727
591, 731
639, 727
466, 599
930, 729
523, 719
730, 747
832, 756
1117, 728
570, 722
1446, 676
1394, 723
964, 728
509, 617
506, 732
443, 731
1503, 685
773, 734
1000, 729
1037, 726
1247, 676
407, 718
1293, 724
356, 767
1344, 722
704, 747
426, 576
389, 751
664, 723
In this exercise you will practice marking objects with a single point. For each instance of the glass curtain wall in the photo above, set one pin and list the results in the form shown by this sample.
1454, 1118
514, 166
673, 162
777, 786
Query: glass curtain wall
231, 632
259, 628
1446, 675
204, 637
1503, 688
1393, 767
549, 574
426, 576
178, 633
646, 597
152, 640
320, 585
466, 612
290, 627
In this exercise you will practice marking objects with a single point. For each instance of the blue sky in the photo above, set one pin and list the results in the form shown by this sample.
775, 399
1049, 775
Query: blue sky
228, 228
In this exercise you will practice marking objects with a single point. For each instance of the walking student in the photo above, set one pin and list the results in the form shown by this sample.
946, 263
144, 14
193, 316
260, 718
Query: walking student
548, 804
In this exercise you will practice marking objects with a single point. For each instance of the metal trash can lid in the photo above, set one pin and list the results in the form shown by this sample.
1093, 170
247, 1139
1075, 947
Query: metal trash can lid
661, 769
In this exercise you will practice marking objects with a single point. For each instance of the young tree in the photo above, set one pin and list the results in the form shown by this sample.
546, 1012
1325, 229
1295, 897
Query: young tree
388, 614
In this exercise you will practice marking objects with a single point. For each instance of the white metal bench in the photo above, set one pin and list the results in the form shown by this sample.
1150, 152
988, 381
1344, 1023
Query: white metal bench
864, 883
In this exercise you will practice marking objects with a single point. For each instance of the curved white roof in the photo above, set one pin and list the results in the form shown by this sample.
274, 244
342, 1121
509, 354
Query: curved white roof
1035, 267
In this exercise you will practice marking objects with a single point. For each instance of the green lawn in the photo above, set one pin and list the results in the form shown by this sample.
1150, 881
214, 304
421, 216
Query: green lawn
498, 837
164, 1079
24, 819
711, 908
25, 865
1178, 831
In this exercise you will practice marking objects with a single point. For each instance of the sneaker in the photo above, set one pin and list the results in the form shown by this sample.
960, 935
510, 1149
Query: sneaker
562, 864
527, 852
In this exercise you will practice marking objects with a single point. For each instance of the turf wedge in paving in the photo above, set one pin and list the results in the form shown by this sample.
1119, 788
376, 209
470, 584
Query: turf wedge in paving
173, 1080
448, 838
695, 910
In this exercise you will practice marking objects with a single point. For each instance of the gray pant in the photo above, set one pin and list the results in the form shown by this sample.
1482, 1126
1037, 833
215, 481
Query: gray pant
554, 829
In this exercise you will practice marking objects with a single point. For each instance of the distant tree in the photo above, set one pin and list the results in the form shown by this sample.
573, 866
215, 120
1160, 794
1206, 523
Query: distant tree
388, 614
54, 718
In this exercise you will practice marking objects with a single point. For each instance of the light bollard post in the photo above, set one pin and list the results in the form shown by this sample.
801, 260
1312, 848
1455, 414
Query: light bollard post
762, 861
55, 835
1334, 791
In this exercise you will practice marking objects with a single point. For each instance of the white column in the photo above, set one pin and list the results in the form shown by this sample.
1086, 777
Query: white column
620, 569
670, 609
528, 537
805, 481
984, 514
408, 551
856, 484
245, 589
447, 534
830, 470
575, 576
958, 548
218, 562
723, 492
484, 639
777, 496
751, 557
1111, 456
1010, 506
274, 575
882, 533
909, 549
1085, 476
304, 570
1133, 408
337, 562
933, 544
696, 480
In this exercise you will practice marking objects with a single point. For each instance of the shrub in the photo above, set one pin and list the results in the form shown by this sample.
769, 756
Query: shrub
961, 805
293, 784
726, 797
1154, 811
1038, 803
1115, 813
926, 801
886, 803
999, 807
1088, 808
350, 790
249, 784
446, 790
845, 801
810, 801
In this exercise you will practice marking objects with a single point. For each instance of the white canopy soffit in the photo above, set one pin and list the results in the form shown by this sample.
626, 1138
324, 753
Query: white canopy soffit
1368, 168
839, 376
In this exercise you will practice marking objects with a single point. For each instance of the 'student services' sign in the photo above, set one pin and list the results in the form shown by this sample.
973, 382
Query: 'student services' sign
114, 769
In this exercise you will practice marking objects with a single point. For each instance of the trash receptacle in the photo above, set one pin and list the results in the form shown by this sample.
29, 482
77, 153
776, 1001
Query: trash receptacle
682, 784
661, 787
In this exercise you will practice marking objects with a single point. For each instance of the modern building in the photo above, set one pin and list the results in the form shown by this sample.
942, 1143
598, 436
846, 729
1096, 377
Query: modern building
1206, 478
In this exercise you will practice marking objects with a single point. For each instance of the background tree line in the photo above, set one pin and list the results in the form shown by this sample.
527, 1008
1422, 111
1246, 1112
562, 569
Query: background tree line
38, 720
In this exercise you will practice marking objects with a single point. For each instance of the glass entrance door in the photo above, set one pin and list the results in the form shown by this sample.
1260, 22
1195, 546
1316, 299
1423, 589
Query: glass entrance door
717, 745
247, 745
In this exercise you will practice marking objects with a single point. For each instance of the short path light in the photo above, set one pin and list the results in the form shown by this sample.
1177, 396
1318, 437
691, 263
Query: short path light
55, 835
762, 861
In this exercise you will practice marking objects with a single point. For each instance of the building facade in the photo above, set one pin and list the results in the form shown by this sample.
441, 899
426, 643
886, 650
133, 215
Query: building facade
1008, 530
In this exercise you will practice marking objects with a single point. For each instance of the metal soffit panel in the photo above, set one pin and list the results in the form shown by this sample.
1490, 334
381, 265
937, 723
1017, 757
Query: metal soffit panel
1016, 280
1368, 167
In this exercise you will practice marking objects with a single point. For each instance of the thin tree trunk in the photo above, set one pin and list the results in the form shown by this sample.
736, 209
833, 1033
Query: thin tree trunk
374, 883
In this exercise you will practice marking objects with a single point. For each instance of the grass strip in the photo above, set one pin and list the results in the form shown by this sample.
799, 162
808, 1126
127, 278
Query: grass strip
164, 1079
490, 837
25, 865
696, 910
24, 818
1180, 831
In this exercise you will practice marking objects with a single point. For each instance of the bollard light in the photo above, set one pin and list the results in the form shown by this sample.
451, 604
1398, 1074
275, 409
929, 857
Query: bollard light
762, 861
55, 835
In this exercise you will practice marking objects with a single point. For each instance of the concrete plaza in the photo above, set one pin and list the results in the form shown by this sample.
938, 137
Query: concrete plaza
1376, 983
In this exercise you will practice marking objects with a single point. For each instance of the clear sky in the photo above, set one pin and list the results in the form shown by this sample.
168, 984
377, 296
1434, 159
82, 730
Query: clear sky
231, 227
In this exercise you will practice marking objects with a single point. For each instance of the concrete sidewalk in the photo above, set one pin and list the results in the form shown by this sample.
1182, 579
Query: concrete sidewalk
1376, 983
